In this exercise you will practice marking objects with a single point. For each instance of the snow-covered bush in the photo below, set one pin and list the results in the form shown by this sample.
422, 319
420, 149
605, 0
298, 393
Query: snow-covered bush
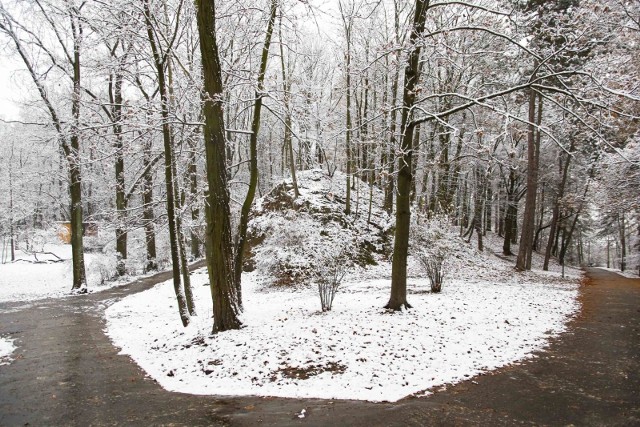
298, 251
286, 252
102, 268
434, 242
34, 240
433, 265
331, 268
287, 236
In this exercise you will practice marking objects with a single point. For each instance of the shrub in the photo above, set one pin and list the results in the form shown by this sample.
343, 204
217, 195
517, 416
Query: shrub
102, 268
433, 265
434, 242
297, 251
331, 269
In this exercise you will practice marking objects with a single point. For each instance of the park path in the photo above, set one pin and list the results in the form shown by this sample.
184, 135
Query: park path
67, 372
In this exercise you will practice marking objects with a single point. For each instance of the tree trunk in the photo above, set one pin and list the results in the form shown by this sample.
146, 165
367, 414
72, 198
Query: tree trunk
501, 214
193, 189
389, 189
288, 143
555, 216
479, 206
184, 267
510, 218
623, 241
398, 298
347, 207
566, 236
364, 131
147, 210
416, 143
182, 245
638, 240
523, 261
539, 226
168, 168
219, 249
115, 93
253, 153
443, 199
73, 156
12, 241
488, 207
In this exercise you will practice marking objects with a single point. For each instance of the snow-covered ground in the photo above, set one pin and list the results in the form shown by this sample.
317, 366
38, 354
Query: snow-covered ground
487, 316
6, 348
48, 274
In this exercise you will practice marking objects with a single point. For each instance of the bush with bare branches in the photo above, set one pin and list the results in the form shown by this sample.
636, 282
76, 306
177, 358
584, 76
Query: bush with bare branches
330, 270
434, 242
433, 265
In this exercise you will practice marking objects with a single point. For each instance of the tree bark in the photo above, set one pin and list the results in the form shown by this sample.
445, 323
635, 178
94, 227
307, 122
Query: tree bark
398, 298
12, 241
219, 248
389, 189
555, 215
147, 210
510, 218
115, 95
253, 153
478, 206
566, 236
637, 242
193, 189
536, 243
159, 63
347, 27
288, 143
416, 143
623, 241
523, 261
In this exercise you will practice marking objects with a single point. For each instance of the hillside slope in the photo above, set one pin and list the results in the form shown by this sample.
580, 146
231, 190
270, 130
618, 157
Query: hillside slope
290, 237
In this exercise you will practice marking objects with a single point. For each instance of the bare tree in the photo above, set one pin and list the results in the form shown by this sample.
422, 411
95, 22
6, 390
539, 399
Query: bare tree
219, 247
185, 304
398, 298
253, 153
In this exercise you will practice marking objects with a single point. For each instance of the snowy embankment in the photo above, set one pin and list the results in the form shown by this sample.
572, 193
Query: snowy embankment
35, 277
6, 348
48, 274
358, 351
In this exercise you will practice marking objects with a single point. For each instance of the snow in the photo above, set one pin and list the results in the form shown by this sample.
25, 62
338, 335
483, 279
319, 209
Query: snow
298, 235
6, 348
486, 317
33, 277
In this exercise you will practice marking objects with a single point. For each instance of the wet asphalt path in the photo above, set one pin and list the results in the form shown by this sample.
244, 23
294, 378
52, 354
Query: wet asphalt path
66, 372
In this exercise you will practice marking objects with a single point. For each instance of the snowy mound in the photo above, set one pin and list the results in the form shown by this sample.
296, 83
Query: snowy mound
289, 237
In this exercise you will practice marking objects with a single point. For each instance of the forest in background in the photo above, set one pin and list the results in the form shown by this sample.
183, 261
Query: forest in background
519, 117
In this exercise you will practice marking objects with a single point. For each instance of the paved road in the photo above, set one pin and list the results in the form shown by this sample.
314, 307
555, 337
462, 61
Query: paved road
68, 373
